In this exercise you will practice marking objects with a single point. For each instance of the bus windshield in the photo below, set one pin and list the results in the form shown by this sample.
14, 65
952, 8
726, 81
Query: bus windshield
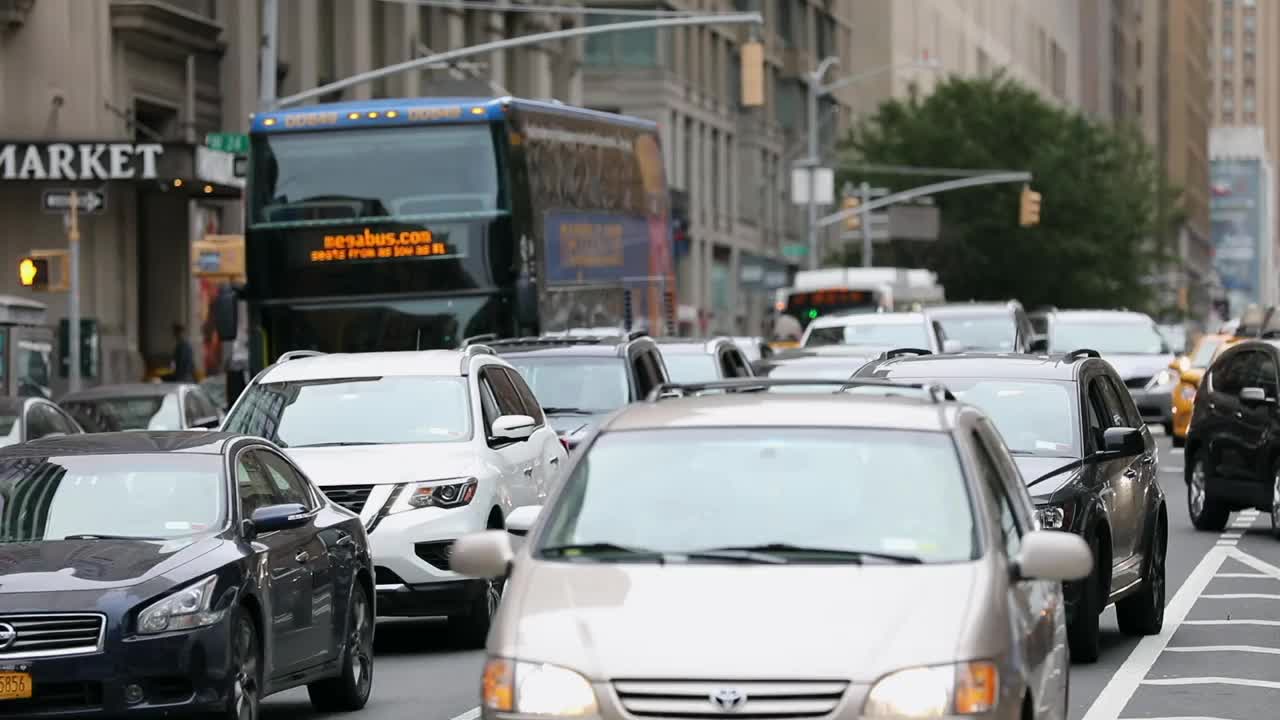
376, 173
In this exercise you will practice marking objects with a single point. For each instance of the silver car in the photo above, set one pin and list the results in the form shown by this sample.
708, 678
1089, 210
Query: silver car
866, 552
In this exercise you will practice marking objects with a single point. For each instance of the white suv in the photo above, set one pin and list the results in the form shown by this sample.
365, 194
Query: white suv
425, 446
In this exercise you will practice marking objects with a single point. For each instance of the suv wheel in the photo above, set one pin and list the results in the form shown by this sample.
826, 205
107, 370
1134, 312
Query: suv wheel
1083, 635
1142, 613
1205, 512
1275, 500
349, 690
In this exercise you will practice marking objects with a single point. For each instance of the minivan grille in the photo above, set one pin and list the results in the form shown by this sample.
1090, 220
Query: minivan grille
715, 698
351, 497
50, 635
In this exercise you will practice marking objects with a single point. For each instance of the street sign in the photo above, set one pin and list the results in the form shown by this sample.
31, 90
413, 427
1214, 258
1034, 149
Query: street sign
824, 185
913, 222
59, 201
235, 143
795, 250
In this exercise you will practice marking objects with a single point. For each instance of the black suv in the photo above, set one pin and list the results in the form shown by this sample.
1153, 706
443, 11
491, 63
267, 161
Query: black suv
701, 359
1233, 450
1088, 461
577, 379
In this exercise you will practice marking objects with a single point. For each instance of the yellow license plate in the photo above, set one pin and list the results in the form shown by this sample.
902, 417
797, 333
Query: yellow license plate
15, 686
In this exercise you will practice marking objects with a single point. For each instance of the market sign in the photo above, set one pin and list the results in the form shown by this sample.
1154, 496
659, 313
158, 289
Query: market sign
79, 161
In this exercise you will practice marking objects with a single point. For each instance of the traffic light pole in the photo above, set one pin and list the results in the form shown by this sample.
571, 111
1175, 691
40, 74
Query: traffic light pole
815, 89
73, 294
868, 250
865, 208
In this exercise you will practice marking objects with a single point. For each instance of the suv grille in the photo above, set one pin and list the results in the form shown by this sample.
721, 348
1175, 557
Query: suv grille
1137, 383
50, 635
351, 497
757, 698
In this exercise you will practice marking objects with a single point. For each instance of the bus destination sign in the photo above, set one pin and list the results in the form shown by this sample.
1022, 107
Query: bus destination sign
831, 297
380, 245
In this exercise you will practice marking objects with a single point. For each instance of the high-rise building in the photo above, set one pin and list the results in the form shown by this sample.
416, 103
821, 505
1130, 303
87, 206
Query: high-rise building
1108, 66
1243, 215
1172, 103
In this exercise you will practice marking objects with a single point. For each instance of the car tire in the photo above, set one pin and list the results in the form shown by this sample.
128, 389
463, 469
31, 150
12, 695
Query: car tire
245, 698
1205, 512
349, 690
1168, 428
1275, 500
472, 627
1142, 613
1084, 637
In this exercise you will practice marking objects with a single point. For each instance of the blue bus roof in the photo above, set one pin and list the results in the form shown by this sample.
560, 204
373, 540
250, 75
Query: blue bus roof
419, 111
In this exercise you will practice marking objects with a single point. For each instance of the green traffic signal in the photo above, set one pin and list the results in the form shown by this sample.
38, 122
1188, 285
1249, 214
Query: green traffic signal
813, 313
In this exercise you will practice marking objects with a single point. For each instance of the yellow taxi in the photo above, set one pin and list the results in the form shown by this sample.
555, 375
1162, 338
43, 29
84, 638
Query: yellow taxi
1191, 368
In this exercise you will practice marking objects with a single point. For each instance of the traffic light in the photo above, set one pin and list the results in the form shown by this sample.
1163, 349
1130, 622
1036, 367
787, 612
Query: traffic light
33, 272
1029, 207
752, 60
854, 221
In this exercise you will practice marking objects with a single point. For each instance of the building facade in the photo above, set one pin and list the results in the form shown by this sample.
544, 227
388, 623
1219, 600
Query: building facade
1108, 62
1243, 217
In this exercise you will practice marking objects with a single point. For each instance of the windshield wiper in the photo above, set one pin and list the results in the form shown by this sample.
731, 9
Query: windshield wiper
1056, 472
334, 444
99, 536
566, 411
854, 556
603, 548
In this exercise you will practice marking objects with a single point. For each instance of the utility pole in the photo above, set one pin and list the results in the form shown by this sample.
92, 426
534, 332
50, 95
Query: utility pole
864, 195
73, 295
270, 56
815, 89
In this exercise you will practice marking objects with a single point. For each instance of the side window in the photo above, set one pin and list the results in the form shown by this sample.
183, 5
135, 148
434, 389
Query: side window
1132, 418
41, 422
740, 362
253, 485
1262, 372
64, 421
488, 403
1113, 410
527, 400
289, 486
1227, 375
191, 409
727, 370
509, 402
1096, 411
648, 374
1010, 532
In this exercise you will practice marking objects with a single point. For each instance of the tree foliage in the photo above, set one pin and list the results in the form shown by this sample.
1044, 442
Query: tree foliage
1102, 195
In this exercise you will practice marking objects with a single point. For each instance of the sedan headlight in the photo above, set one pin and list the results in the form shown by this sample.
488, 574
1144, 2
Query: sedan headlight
932, 692
528, 688
1164, 378
190, 607
451, 493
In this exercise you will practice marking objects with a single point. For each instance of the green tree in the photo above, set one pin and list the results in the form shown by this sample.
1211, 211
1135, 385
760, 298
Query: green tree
1103, 197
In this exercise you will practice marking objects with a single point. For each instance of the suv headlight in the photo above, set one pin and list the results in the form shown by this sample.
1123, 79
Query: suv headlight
932, 692
450, 493
528, 688
190, 607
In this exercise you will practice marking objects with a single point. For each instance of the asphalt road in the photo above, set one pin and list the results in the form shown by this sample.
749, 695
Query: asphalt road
1217, 657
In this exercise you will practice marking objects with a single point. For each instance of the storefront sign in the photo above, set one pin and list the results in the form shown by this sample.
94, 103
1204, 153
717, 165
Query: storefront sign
79, 161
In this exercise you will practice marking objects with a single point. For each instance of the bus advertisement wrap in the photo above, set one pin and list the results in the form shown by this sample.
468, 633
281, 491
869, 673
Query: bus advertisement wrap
585, 248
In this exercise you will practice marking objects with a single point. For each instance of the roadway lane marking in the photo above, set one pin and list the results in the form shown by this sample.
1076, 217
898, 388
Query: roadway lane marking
1242, 596
1243, 682
1131, 673
1225, 648
1258, 564
1171, 470
1247, 575
471, 714
1259, 623
1184, 717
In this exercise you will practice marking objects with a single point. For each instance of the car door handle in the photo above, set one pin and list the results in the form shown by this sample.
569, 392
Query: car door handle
555, 461
302, 556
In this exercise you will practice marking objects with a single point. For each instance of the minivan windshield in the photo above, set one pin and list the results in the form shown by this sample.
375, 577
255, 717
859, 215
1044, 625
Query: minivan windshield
355, 411
871, 332
687, 490
144, 496
983, 333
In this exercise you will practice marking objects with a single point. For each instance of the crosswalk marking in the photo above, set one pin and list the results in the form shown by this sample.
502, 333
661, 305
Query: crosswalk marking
1243, 682
1242, 596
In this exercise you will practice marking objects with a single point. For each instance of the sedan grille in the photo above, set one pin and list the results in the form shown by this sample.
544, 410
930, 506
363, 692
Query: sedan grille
714, 698
1137, 383
49, 635
351, 497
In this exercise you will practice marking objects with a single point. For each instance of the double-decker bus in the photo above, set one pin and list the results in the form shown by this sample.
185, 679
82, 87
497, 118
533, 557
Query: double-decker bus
417, 223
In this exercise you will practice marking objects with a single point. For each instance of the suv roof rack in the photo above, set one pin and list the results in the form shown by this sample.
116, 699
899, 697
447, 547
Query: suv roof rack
936, 392
295, 354
901, 352
1081, 353
471, 351
483, 337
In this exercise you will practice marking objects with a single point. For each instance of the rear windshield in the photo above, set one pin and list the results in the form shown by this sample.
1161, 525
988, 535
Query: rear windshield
151, 412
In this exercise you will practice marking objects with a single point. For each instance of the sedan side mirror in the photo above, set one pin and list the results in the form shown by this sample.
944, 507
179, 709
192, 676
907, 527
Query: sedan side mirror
514, 427
1123, 441
1253, 396
1053, 555
482, 555
521, 520
279, 517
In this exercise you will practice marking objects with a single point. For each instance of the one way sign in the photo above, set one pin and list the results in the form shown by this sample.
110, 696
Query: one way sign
87, 201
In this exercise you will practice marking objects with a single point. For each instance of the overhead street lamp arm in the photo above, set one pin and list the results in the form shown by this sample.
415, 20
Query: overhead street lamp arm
851, 79
520, 41
913, 193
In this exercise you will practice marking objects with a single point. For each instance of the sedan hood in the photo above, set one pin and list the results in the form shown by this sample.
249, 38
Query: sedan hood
380, 464
1032, 467
61, 565
614, 620
1138, 366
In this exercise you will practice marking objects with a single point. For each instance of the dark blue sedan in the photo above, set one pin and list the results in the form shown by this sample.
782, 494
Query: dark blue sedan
175, 573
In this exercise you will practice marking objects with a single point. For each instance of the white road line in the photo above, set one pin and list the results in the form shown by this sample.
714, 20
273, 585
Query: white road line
1225, 648
1259, 623
1232, 535
1176, 451
1242, 596
1186, 717
1256, 563
1247, 575
1172, 470
1124, 683
1243, 682
471, 714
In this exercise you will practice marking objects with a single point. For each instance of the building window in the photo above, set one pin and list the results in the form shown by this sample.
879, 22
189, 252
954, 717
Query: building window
1228, 53
1250, 119
1228, 104
633, 48
1249, 104
734, 79
786, 27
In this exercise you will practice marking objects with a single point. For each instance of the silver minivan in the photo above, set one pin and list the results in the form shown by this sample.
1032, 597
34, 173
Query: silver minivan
870, 551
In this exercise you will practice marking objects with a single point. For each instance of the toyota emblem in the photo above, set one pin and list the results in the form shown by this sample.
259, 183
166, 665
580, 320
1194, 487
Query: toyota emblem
728, 699
7, 635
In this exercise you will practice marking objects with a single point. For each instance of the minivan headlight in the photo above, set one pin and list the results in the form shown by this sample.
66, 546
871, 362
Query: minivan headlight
527, 688
969, 688
450, 493
188, 608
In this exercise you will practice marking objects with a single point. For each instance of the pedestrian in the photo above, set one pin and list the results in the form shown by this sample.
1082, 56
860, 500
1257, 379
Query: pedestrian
184, 363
